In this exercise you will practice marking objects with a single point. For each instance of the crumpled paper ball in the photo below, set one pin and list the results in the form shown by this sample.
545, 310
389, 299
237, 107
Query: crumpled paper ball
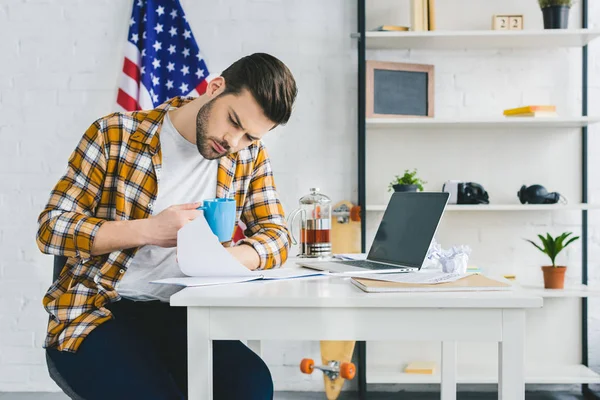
454, 259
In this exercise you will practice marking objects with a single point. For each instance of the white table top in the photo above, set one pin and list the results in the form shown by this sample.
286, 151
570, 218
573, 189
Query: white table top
340, 292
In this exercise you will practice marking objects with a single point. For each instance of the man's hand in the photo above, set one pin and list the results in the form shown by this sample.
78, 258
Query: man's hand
164, 226
246, 255
159, 230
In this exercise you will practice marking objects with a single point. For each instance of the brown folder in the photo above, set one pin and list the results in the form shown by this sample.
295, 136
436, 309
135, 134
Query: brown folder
472, 283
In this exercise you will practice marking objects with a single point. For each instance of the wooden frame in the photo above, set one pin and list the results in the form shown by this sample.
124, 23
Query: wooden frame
371, 66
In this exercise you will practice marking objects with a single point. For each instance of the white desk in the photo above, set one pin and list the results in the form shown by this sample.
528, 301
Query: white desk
333, 309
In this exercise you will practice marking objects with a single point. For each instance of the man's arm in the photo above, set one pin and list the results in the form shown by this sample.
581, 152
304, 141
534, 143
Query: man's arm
68, 227
263, 215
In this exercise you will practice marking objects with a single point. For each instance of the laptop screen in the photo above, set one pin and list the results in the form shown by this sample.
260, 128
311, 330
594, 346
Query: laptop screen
407, 227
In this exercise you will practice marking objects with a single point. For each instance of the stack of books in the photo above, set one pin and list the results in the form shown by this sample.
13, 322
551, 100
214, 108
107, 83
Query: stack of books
532, 111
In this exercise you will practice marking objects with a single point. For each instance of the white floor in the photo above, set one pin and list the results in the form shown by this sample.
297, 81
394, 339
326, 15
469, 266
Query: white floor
344, 396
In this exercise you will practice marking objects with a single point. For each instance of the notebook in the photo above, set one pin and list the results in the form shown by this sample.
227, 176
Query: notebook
474, 282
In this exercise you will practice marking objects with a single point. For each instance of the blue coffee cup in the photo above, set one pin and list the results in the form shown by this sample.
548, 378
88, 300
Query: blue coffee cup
220, 215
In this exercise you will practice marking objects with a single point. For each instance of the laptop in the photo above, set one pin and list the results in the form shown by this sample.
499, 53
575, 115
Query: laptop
407, 228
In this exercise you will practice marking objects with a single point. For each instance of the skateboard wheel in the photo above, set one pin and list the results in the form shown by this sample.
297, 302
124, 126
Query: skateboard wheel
347, 371
355, 213
307, 366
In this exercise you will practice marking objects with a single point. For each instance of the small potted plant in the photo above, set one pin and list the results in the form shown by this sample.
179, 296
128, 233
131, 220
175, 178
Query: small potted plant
554, 275
556, 13
408, 182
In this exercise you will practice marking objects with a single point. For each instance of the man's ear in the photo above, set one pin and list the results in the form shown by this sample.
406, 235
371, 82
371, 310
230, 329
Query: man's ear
216, 86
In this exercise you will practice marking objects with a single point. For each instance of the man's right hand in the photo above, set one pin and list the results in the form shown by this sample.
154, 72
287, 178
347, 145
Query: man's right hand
159, 230
164, 226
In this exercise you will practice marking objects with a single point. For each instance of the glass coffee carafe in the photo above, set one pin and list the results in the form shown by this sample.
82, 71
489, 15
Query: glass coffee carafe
315, 225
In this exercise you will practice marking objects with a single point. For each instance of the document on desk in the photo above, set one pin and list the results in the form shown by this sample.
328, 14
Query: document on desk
204, 261
429, 278
427, 281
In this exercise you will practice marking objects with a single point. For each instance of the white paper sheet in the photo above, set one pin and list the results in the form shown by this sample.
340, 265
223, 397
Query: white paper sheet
271, 274
416, 277
190, 281
199, 253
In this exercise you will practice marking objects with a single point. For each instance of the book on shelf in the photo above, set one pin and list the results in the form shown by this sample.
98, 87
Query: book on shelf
420, 367
422, 15
531, 110
388, 28
534, 114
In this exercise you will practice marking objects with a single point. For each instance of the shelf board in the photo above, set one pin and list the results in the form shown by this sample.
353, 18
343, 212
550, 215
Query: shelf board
569, 291
481, 123
488, 373
506, 207
481, 39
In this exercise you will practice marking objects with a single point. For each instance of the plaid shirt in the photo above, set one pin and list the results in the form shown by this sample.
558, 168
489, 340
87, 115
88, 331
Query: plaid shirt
113, 174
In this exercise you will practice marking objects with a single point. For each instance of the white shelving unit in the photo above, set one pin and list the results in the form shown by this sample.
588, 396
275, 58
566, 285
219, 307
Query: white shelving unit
569, 291
507, 207
535, 124
486, 373
482, 40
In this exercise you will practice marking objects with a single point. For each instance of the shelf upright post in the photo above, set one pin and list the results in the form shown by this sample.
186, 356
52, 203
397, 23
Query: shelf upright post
362, 127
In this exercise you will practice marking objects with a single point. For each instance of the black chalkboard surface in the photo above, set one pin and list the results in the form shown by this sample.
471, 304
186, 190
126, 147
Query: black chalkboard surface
399, 90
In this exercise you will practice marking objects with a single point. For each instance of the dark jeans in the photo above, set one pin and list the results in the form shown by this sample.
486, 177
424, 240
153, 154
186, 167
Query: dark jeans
142, 354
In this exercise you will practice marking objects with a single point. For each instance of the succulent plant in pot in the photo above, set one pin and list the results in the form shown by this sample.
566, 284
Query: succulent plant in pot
408, 182
555, 13
554, 275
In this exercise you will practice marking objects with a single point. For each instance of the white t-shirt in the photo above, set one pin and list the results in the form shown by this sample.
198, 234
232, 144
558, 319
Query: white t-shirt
186, 177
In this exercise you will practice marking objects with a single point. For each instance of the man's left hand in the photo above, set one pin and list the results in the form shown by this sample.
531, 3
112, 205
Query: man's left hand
246, 255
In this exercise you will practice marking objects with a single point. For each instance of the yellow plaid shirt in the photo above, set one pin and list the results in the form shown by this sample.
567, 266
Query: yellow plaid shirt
113, 174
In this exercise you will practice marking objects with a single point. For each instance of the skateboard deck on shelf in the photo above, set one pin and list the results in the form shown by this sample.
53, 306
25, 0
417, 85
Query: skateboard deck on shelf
345, 228
339, 351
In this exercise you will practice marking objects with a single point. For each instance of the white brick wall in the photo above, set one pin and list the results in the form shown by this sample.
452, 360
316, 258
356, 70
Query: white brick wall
61, 60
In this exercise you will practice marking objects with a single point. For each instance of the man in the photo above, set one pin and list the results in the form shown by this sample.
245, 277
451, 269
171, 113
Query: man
132, 182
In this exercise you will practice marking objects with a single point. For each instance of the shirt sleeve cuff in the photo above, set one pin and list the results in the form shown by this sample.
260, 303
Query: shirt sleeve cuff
84, 234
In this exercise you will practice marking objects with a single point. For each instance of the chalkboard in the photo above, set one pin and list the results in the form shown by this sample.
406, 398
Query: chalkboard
399, 90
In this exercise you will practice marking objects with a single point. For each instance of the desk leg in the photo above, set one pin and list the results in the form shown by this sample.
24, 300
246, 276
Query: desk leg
448, 388
511, 358
200, 378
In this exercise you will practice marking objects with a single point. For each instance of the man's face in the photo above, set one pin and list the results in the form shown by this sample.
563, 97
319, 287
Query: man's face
228, 123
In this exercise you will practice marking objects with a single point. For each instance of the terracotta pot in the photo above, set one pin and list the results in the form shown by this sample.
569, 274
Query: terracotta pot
554, 277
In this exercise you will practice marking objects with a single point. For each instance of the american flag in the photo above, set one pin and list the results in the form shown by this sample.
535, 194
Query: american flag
162, 58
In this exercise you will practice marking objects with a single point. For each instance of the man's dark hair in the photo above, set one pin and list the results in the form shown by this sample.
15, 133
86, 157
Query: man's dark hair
268, 80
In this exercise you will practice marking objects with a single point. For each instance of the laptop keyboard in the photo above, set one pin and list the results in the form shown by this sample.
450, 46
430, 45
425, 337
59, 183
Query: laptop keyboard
368, 264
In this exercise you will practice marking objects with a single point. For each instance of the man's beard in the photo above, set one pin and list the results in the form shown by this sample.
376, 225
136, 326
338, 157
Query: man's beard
203, 141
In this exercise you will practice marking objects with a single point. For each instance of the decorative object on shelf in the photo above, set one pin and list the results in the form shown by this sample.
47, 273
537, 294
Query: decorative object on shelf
399, 90
532, 111
465, 192
555, 13
315, 225
554, 276
507, 22
422, 15
538, 194
408, 182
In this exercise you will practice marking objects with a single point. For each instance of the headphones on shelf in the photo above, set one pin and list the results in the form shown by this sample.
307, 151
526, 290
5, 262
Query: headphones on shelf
465, 192
537, 194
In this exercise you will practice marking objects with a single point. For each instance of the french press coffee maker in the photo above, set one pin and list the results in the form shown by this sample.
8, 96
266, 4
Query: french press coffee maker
315, 225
